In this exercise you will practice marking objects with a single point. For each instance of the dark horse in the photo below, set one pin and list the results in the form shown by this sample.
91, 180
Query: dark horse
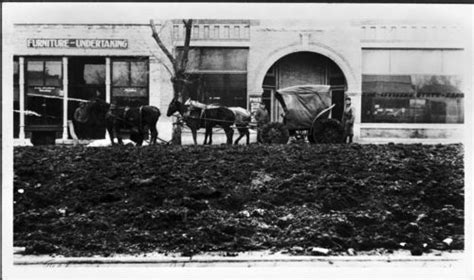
139, 120
195, 119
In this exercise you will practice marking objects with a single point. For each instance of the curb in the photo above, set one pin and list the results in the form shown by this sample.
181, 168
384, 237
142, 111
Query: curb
358, 261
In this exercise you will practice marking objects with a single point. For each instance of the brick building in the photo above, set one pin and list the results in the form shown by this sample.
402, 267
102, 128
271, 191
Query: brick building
406, 79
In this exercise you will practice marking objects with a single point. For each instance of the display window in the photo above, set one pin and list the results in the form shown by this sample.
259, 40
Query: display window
44, 92
219, 75
412, 99
16, 97
130, 81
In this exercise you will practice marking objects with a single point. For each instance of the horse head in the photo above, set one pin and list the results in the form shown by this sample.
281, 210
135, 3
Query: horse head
97, 109
176, 106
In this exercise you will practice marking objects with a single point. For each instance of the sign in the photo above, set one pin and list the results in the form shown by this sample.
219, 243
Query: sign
78, 43
48, 91
254, 104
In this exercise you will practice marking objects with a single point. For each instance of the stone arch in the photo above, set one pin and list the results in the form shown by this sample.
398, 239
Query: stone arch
268, 61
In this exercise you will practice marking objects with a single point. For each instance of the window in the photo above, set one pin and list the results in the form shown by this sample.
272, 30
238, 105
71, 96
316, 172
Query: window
216, 59
130, 81
223, 89
412, 99
16, 97
195, 34
226, 32
220, 75
44, 91
216, 32
237, 32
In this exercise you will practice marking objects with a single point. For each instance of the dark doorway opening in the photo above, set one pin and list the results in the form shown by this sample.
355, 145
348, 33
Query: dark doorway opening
305, 68
337, 96
86, 76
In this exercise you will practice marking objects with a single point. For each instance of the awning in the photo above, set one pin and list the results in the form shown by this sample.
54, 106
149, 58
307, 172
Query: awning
388, 85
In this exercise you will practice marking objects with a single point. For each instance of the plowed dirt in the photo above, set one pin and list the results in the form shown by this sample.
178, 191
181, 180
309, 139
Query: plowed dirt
79, 201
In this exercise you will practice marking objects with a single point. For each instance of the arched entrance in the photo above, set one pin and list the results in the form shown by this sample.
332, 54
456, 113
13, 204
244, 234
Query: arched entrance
301, 68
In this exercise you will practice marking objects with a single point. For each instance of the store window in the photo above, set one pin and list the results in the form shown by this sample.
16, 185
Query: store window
412, 99
16, 97
222, 89
130, 81
44, 95
219, 74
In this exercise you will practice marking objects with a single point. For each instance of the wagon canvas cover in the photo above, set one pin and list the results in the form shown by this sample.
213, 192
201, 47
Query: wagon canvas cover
303, 103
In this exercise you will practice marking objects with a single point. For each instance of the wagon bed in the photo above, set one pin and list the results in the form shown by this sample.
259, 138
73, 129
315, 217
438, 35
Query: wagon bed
306, 114
302, 104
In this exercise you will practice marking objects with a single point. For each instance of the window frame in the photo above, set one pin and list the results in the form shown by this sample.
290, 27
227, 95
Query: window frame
57, 88
129, 61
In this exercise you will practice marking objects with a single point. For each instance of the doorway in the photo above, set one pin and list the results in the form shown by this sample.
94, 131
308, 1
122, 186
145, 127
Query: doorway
337, 97
302, 68
86, 77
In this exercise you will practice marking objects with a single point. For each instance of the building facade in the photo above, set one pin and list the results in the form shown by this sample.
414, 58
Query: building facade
407, 80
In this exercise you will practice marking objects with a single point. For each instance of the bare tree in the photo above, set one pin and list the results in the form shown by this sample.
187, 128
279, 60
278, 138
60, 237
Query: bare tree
179, 79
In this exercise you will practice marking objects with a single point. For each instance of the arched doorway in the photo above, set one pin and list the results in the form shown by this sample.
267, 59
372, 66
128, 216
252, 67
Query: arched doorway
301, 68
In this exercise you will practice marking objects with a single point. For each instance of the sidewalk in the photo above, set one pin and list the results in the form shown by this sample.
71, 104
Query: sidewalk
251, 259
219, 137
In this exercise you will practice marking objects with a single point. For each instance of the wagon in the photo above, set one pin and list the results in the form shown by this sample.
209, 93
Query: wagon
306, 115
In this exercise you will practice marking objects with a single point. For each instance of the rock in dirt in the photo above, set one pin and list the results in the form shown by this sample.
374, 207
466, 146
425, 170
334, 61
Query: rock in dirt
318, 251
416, 251
297, 249
448, 241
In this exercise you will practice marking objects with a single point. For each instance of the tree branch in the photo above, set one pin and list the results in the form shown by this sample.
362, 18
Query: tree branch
163, 47
188, 24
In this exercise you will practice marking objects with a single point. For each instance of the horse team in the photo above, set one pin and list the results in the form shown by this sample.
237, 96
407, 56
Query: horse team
140, 121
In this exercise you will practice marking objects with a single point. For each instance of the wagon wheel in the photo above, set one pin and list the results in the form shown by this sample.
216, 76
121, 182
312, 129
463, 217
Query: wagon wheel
327, 131
310, 136
275, 133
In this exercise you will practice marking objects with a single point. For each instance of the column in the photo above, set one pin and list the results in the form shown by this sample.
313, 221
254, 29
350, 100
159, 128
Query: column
22, 98
65, 97
107, 79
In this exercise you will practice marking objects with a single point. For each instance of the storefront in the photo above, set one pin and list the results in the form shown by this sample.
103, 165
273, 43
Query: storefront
59, 67
405, 80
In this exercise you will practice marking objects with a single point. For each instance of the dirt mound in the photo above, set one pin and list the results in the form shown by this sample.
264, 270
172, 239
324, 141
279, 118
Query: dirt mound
80, 201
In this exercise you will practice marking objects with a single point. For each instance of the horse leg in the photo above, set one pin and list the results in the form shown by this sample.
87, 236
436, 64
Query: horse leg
193, 131
119, 137
210, 135
229, 133
111, 134
153, 134
240, 136
247, 134
140, 141
206, 135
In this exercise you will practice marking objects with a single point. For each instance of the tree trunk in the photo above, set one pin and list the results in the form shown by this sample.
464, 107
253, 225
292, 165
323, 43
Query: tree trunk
179, 79
176, 133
